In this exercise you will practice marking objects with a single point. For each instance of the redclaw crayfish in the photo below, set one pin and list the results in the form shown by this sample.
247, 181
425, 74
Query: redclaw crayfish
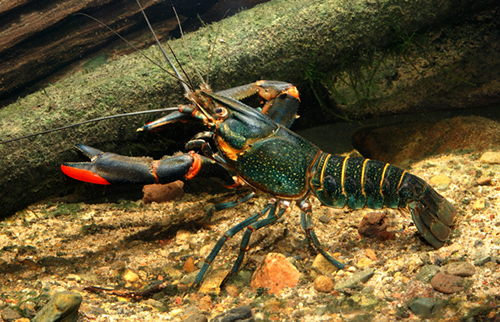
255, 148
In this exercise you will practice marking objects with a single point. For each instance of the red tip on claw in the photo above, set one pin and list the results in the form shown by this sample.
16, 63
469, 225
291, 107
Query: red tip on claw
83, 175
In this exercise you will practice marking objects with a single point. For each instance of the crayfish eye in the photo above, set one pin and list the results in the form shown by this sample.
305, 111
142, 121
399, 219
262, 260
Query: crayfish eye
221, 111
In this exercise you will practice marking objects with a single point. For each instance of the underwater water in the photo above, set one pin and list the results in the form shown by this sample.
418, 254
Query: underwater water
415, 94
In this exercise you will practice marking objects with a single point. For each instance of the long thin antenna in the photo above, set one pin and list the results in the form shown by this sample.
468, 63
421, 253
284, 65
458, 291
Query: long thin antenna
177, 76
91, 121
186, 88
186, 46
213, 48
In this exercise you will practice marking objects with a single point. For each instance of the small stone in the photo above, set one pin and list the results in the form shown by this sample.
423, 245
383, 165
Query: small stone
483, 181
62, 306
196, 317
275, 273
482, 259
364, 262
440, 182
426, 273
365, 301
447, 284
478, 243
205, 303
189, 265
452, 249
183, 236
212, 282
206, 249
242, 313
370, 253
9, 315
422, 306
416, 288
374, 225
130, 276
355, 279
151, 302
324, 219
232, 291
321, 266
242, 279
162, 192
73, 277
172, 272
323, 284
490, 158
479, 205
462, 269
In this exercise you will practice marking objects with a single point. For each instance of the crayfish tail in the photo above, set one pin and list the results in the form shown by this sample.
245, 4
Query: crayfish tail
433, 216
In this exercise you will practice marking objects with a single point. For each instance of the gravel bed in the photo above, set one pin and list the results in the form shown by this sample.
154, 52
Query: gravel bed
53, 247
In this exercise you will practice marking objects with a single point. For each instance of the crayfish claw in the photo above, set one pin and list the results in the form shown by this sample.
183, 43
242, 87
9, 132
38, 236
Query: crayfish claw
89, 151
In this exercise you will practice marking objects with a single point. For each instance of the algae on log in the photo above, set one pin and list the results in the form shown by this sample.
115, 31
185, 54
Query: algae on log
271, 41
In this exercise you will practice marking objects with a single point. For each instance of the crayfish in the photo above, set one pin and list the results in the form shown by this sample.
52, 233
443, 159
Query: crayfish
255, 148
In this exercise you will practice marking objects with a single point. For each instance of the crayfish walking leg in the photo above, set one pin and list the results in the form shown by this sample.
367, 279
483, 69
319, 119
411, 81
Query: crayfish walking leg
270, 207
270, 219
307, 224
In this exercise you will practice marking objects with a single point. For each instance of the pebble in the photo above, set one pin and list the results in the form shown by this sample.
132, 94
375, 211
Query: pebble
205, 303
9, 315
374, 224
162, 192
453, 248
212, 282
446, 283
478, 243
62, 306
370, 253
183, 236
152, 302
206, 249
242, 313
355, 279
422, 306
462, 269
426, 273
324, 219
130, 276
232, 290
275, 273
479, 205
483, 181
323, 284
196, 317
490, 158
321, 266
482, 259
73, 277
189, 265
365, 301
440, 182
172, 272
364, 262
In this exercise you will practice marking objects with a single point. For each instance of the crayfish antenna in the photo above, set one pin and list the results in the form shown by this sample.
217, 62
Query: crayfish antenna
186, 88
186, 46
